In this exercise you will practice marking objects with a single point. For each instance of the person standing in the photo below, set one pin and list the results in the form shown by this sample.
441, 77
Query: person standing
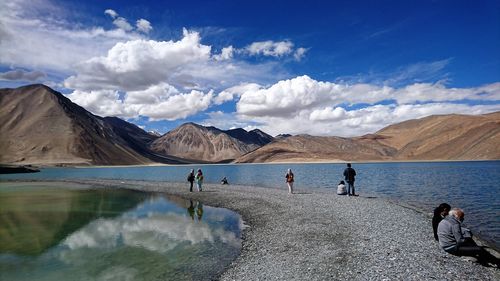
349, 175
289, 180
190, 179
199, 179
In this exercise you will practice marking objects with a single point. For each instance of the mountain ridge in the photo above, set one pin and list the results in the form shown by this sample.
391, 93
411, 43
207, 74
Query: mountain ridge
41, 126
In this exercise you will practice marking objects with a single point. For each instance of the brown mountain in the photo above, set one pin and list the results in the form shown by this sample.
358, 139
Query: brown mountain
208, 144
442, 137
446, 137
311, 148
40, 126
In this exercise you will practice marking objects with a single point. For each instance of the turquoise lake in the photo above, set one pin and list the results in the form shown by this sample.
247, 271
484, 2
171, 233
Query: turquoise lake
471, 185
61, 231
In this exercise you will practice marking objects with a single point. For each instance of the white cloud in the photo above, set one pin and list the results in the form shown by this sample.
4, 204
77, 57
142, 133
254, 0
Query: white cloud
304, 105
328, 113
163, 102
143, 25
137, 64
111, 13
100, 102
229, 93
158, 102
286, 97
33, 38
299, 53
226, 54
123, 24
270, 48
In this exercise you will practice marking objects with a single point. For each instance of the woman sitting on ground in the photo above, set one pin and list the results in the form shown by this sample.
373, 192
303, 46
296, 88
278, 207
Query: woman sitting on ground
439, 214
341, 188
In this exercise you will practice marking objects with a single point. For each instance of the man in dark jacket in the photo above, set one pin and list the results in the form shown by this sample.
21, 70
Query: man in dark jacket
349, 175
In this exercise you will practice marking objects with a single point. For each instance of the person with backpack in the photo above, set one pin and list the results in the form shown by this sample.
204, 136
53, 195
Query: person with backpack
349, 175
289, 180
199, 179
190, 179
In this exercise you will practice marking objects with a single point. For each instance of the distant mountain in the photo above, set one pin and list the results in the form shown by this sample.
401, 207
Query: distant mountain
41, 126
442, 137
315, 149
209, 144
253, 137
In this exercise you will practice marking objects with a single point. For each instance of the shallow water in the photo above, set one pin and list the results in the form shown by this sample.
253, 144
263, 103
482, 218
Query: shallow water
76, 232
473, 185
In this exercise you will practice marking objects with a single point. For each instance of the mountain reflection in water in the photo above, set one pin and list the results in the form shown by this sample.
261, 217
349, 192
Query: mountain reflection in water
80, 233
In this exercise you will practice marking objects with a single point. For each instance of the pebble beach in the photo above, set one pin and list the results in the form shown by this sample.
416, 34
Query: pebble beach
315, 234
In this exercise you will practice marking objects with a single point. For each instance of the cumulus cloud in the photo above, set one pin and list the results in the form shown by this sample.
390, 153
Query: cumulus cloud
158, 102
270, 48
168, 103
111, 13
31, 39
138, 64
304, 105
230, 93
100, 102
122, 23
226, 54
22, 75
143, 25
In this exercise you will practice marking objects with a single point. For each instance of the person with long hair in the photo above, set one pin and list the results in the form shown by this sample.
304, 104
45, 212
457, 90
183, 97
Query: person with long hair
439, 214
289, 180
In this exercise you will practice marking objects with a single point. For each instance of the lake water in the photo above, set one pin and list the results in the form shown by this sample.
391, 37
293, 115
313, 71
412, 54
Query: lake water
473, 186
76, 232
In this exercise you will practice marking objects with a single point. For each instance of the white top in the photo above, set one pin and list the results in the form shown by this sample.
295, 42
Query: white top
341, 189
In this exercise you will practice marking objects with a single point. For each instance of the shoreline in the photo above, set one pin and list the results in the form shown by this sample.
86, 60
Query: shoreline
318, 235
325, 161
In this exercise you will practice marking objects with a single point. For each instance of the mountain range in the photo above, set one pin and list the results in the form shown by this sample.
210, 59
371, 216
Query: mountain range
41, 126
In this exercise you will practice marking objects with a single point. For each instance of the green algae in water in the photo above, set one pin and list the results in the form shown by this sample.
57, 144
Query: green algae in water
51, 232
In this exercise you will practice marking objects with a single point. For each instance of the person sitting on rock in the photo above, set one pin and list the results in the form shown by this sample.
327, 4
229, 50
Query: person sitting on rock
457, 240
224, 181
439, 214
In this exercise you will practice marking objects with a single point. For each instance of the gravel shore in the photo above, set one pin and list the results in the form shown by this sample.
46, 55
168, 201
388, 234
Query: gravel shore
318, 235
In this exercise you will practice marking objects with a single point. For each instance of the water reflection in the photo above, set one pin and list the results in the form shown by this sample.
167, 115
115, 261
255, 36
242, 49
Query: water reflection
198, 210
31, 221
113, 235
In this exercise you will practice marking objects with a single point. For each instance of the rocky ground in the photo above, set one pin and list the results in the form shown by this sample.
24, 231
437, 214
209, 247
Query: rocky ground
318, 235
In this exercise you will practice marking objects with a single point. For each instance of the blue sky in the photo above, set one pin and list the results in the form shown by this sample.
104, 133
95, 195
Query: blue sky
318, 67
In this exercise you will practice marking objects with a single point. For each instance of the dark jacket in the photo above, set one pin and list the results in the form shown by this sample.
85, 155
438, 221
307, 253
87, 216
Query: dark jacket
436, 219
190, 177
349, 174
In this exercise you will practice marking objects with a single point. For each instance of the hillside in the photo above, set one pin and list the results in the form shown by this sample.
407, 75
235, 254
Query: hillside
207, 144
446, 137
312, 149
40, 126
441, 137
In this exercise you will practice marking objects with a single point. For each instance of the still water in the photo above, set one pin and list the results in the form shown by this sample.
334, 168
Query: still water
473, 186
77, 232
